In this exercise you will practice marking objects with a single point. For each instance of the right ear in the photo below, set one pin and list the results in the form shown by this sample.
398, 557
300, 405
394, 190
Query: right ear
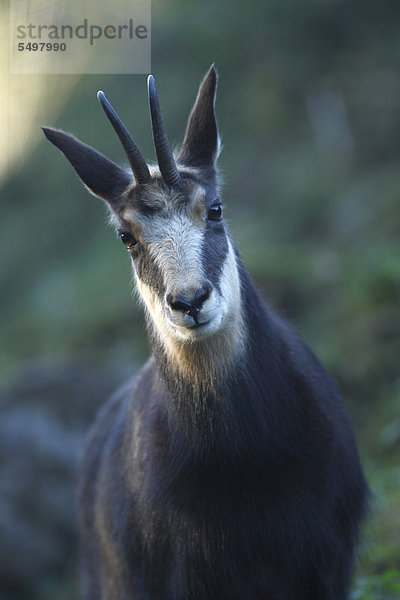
201, 144
99, 174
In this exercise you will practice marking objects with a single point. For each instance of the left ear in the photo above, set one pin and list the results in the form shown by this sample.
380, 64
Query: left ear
201, 143
98, 173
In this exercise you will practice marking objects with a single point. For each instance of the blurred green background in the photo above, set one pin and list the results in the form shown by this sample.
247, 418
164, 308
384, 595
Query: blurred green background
309, 113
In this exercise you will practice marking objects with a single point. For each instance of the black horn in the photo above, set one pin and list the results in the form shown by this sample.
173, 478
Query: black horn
138, 165
165, 158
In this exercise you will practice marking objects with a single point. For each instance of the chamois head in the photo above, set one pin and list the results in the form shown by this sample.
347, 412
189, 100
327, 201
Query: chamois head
169, 217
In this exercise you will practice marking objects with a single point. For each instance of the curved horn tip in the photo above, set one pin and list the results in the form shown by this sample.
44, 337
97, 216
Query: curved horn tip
165, 157
138, 165
102, 98
151, 84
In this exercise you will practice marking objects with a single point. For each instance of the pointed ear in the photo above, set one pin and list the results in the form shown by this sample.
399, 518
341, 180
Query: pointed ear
201, 143
100, 175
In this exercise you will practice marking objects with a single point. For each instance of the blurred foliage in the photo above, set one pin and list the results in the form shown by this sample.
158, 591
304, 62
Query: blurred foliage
309, 110
386, 586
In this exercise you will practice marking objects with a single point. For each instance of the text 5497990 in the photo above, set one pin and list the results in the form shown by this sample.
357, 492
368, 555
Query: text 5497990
42, 46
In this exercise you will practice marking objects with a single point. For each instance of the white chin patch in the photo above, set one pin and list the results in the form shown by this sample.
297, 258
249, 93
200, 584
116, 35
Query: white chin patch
192, 332
184, 327
220, 314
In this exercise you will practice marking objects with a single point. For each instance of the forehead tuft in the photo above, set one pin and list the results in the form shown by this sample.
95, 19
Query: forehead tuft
158, 199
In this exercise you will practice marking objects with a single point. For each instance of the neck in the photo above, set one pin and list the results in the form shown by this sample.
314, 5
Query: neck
215, 389
221, 425
204, 364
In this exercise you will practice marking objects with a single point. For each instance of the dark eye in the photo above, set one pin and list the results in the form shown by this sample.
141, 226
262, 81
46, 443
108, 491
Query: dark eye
127, 239
215, 212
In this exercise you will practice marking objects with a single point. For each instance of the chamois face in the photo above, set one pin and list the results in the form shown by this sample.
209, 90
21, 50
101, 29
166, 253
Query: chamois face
170, 219
182, 257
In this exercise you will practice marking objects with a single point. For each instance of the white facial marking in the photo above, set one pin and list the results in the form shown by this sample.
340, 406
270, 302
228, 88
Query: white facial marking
230, 288
220, 314
173, 236
177, 253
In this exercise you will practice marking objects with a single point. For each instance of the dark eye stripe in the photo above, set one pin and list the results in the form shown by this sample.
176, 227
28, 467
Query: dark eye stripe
214, 252
149, 273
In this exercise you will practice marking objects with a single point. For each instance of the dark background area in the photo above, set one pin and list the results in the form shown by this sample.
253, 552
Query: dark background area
309, 113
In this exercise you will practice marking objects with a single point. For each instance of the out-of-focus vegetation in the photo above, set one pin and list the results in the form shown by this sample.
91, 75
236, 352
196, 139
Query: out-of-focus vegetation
309, 112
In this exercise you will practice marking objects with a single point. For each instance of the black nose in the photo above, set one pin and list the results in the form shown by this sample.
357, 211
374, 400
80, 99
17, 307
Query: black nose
190, 306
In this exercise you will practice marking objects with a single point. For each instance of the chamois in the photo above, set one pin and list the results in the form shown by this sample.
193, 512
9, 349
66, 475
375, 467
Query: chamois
228, 468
